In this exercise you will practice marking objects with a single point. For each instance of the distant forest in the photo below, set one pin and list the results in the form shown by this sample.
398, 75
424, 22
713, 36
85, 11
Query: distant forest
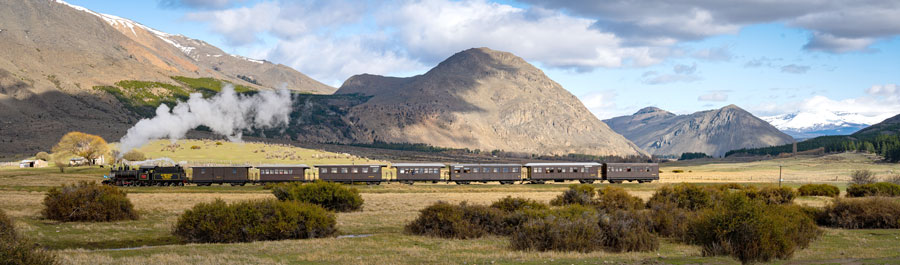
885, 145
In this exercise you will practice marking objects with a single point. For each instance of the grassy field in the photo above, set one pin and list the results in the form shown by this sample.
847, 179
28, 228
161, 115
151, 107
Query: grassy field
375, 234
253, 153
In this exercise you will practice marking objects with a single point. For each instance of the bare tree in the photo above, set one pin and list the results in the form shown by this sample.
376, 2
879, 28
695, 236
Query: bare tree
862, 176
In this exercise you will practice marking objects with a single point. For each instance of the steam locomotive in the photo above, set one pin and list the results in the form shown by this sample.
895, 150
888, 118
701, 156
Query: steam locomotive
409, 173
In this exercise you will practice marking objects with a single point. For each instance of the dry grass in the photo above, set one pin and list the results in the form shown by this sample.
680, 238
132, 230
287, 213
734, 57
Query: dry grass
801, 169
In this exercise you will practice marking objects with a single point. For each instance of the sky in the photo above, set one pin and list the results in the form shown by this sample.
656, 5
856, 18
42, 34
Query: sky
618, 56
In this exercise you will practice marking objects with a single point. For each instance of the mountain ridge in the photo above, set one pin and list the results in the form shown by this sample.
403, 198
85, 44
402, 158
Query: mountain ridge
713, 132
482, 99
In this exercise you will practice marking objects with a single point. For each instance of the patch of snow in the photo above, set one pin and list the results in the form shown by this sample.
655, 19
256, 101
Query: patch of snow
810, 121
116, 21
246, 59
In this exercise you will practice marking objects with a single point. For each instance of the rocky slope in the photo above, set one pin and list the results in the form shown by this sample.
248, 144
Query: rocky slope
481, 99
52, 54
713, 132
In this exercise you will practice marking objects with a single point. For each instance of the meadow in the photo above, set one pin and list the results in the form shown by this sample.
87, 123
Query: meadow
375, 234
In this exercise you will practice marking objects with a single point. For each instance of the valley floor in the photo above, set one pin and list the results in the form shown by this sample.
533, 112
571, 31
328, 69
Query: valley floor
375, 234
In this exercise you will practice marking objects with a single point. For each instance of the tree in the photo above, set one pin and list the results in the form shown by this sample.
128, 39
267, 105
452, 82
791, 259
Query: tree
134, 155
42, 156
82, 144
61, 160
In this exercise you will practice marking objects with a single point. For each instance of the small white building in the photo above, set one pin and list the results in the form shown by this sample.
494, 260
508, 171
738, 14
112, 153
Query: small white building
32, 163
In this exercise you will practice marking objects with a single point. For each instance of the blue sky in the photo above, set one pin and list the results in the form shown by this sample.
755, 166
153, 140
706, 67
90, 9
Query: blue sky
683, 56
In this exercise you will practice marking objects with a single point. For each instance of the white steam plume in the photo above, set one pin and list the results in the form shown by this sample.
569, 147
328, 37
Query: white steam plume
226, 113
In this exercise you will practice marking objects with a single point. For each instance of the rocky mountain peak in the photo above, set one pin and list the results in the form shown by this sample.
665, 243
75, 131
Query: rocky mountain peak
483, 99
713, 132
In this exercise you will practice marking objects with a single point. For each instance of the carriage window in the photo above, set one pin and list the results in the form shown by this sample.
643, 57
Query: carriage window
456, 171
202, 171
324, 170
475, 170
234, 171
515, 170
290, 171
344, 170
536, 170
334, 170
496, 170
505, 170
375, 169
365, 170
629, 169
402, 171
355, 170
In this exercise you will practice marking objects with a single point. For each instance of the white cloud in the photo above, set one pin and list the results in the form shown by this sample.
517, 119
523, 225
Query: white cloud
795, 69
882, 102
715, 96
202, 4
838, 26
332, 60
603, 104
680, 73
404, 35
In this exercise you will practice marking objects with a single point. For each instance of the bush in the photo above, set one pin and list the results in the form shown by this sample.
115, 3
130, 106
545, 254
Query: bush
628, 230
819, 190
14, 249
857, 213
772, 195
559, 234
751, 230
863, 176
332, 196
218, 222
461, 221
576, 194
510, 204
685, 196
678, 171
893, 179
134, 155
42, 156
88, 202
612, 198
195, 147
669, 220
873, 189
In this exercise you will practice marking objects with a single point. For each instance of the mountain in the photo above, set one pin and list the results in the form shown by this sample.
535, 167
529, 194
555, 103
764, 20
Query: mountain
481, 99
53, 55
890, 126
805, 125
713, 132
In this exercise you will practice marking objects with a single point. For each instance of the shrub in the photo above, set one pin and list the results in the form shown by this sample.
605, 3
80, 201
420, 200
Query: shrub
14, 249
510, 204
554, 233
88, 202
862, 176
612, 198
819, 190
751, 230
772, 195
669, 220
134, 155
218, 222
195, 147
686, 196
678, 171
576, 194
461, 221
893, 179
873, 189
628, 230
42, 156
332, 196
856, 213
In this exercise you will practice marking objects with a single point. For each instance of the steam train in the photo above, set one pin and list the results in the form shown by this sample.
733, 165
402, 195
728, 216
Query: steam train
408, 173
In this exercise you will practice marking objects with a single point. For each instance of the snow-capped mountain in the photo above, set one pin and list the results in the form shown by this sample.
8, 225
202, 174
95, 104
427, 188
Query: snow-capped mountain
804, 125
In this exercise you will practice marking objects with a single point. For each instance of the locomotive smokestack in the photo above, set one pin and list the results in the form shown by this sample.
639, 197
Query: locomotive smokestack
226, 113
